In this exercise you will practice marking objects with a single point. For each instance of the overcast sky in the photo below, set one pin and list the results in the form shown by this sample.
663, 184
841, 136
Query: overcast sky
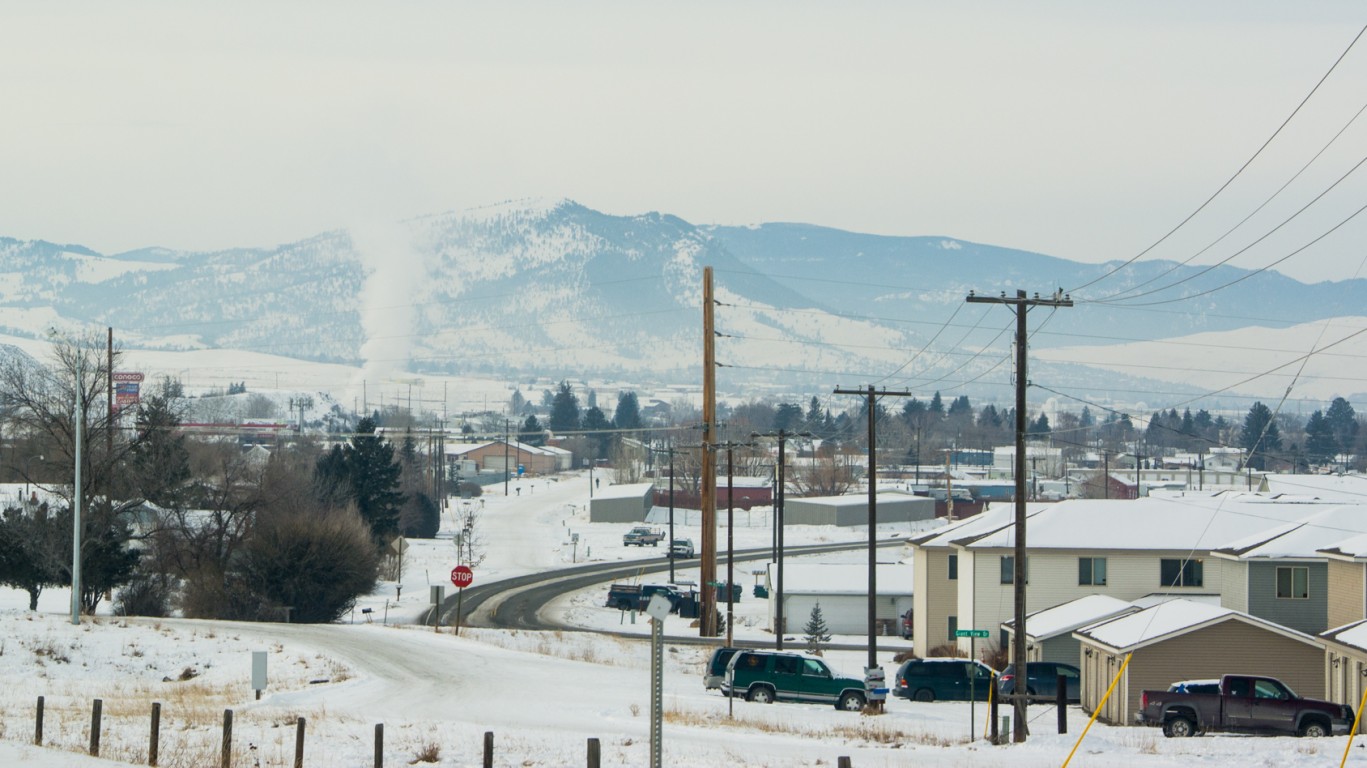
1079, 129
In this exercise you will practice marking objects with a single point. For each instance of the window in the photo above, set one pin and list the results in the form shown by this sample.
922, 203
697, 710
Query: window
953, 626
1181, 573
787, 665
1293, 582
953, 567
814, 668
1091, 571
1009, 569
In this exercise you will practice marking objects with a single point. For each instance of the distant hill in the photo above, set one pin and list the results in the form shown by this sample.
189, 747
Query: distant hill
558, 289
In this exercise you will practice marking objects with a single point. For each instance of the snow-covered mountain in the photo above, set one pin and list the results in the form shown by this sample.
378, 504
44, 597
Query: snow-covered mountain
558, 289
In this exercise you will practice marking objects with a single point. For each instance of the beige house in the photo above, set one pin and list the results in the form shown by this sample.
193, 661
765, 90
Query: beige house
1124, 549
1345, 664
1187, 640
1347, 577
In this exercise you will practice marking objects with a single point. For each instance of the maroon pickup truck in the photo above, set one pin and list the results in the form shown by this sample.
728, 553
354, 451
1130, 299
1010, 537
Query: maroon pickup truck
1244, 703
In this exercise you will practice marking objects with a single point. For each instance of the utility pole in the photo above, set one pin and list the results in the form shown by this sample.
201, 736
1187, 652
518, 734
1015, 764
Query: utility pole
1021, 306
707, 623
779, 494
872, 403
109, 394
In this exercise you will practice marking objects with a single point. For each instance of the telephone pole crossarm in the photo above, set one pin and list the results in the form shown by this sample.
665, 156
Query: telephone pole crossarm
1021, 305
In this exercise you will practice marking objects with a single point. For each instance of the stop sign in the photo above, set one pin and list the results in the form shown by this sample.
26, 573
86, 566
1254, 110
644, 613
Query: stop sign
462, 576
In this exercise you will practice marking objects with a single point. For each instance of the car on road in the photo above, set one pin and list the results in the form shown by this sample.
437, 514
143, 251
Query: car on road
944, 679
681, 548
769, 676
1041, 679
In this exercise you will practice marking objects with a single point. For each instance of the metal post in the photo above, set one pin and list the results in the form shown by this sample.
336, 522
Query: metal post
671, 512
76, 493
656, 691
778, 607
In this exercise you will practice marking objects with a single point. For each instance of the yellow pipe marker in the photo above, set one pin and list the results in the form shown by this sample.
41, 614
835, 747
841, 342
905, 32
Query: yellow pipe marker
1100, 705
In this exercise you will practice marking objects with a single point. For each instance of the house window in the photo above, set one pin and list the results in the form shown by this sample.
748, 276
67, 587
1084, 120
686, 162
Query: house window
1008, 575
953, 567
953, 626
1181, 573
1293, 582
1091, 571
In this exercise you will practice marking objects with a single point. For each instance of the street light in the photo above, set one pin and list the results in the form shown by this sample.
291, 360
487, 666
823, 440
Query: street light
79, 417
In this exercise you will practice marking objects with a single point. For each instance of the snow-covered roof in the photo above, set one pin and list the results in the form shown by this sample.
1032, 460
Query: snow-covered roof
1160, 622
1353, 635
1352, 548
1066, 617
853, 499
1300, 539
894, 579
977, 525
1346, 489
1163, 524
627, 491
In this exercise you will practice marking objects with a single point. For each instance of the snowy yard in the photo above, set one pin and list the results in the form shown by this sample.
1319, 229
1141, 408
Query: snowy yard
543, 695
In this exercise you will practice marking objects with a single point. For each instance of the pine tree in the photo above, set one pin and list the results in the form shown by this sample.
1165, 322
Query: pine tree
564, 410
816, 632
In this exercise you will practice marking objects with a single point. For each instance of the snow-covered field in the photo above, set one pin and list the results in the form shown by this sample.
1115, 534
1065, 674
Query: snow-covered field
541, 694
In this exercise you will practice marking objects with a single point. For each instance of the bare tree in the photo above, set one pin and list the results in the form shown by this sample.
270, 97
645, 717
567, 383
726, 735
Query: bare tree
830, 473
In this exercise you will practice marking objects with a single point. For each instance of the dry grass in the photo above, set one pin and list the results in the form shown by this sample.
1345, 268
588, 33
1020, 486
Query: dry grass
427, 753
860, 730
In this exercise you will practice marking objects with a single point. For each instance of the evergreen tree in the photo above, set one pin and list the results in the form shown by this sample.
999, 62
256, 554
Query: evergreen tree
597, 426
788, 417
158, 461
937, 407
628, 413
365, 472
1039, 428
815, 632
1344, 423
29, 546
564, 410
532, 432
1259, 435
1320, 443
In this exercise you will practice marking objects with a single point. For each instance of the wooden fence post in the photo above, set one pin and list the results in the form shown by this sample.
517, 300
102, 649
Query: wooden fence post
38, 725
154, 739
95, 713
379, 745
226, 761
299, 744
842, 762
488, 749
595, 753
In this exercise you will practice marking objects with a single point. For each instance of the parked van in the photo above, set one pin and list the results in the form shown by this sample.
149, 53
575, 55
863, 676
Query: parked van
716, 667
769, 676
944, 679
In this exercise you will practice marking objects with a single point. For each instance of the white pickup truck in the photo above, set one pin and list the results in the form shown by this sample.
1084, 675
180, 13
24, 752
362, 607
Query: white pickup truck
642, 535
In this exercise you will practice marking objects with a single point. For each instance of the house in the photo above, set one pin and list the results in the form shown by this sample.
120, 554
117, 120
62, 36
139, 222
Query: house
1345, 663
936, 563
501, 456
853, 509
1039, 459
842, 589
1280, 575
622, 503
1049, 633
1185, 640
1125, 549
1346, 574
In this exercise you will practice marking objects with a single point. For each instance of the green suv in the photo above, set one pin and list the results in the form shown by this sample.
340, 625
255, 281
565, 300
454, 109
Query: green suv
767, 676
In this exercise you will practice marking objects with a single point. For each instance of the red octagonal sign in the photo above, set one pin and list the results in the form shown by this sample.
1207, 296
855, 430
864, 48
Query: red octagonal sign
462, 576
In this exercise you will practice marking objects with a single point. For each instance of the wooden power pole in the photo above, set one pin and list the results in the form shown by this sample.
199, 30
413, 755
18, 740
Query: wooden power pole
1020, 305
707, 617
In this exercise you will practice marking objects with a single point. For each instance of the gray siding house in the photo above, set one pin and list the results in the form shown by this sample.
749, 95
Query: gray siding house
1281, 575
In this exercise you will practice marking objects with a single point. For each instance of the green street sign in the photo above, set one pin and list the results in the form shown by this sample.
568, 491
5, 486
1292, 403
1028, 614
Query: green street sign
971, 633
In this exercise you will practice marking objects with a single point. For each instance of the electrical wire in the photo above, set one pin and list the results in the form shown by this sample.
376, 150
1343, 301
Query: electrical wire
1236, 175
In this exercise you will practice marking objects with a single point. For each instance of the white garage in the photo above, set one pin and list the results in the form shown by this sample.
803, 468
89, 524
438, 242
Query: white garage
842, 589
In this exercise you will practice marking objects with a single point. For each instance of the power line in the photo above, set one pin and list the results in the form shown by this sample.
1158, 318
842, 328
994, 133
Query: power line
1236, 175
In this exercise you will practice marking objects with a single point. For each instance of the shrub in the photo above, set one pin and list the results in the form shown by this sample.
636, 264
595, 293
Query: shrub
315, 562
